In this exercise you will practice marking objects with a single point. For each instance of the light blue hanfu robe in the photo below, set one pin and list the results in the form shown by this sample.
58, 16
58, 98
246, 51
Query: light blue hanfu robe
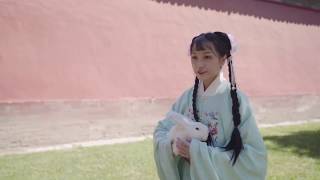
212, 162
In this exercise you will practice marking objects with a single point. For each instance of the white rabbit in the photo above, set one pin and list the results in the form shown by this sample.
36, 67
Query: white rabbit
185, 128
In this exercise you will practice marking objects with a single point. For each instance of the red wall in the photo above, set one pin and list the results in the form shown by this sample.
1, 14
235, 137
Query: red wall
77, 49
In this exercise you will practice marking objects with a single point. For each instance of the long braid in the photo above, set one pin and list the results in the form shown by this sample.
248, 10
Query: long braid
194, 100
235, 143
194, 106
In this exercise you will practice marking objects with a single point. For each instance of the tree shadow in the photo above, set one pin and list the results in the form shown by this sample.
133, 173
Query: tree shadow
257, 8
303, 143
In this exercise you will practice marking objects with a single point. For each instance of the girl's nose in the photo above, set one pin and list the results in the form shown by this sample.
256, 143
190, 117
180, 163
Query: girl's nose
201, 67
200, 64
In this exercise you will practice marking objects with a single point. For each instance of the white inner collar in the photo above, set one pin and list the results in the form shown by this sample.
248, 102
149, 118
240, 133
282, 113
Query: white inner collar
212, 89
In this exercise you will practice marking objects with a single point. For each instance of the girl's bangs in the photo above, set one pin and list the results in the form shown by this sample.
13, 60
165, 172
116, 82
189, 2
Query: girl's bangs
201, 44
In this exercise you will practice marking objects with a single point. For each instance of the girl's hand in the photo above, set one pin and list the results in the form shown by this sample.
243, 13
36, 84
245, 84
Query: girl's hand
183, 148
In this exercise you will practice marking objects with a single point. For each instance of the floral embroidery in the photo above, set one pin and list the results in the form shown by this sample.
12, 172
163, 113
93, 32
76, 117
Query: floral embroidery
211, 119
213, 130
213, 122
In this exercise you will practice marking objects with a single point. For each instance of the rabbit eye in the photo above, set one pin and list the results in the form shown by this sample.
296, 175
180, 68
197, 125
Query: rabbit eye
197, 128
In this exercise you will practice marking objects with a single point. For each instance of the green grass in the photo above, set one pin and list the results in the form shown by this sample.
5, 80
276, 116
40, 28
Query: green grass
126, 161
294, 153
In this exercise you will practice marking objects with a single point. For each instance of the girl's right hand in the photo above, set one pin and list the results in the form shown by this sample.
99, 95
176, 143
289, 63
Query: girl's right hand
183, 148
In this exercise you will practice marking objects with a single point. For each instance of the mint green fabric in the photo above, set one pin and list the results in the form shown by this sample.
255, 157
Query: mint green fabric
212, 162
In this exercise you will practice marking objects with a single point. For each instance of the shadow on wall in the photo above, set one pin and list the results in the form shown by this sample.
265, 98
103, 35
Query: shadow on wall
256, 8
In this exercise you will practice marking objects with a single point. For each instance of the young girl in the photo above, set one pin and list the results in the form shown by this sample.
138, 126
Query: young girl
234, 149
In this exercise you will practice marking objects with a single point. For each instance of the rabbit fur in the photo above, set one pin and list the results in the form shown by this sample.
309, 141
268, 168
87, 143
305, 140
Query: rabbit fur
185, 128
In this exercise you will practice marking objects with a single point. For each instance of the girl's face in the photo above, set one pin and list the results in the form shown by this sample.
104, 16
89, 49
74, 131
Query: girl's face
206, 63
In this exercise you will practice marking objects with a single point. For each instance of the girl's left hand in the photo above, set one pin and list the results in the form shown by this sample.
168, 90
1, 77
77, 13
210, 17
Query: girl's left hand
183, 148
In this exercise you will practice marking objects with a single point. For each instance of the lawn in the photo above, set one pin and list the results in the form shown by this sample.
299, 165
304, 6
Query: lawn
294, 153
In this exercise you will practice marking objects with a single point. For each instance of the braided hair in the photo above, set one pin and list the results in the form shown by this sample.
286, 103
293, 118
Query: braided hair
222, 45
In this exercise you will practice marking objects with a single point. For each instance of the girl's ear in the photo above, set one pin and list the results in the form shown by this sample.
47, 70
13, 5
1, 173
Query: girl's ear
222, 60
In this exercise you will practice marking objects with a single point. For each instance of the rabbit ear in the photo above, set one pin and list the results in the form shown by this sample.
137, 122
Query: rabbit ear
179, 119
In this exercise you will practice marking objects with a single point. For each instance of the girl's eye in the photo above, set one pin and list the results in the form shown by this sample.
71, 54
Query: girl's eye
207, 57
194, 57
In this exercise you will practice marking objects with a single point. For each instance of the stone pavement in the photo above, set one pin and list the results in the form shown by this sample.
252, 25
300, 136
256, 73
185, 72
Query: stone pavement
40, 124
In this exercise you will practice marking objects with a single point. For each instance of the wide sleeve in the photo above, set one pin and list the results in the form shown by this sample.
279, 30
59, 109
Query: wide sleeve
214, 163
165, 160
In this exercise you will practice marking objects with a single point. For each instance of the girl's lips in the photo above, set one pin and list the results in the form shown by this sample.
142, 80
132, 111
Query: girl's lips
202, 72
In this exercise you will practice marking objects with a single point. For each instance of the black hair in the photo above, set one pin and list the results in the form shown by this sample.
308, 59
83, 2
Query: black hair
222, 45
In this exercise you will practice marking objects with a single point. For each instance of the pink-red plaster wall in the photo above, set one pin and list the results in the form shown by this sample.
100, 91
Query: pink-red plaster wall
113, 49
